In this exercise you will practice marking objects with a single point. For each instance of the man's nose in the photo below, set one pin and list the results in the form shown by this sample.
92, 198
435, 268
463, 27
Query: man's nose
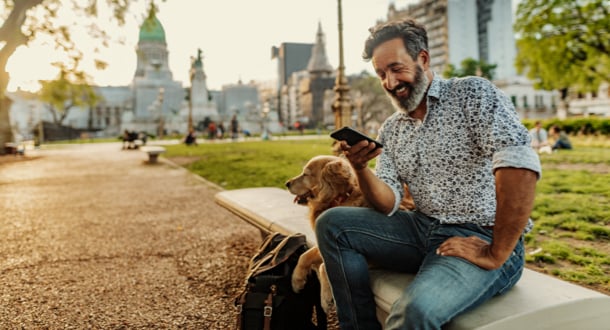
391, 81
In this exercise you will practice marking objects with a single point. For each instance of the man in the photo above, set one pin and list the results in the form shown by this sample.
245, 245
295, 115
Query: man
460, 147
539, 138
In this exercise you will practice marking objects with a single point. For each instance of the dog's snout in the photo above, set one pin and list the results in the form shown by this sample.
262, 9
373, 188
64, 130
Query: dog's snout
287, 184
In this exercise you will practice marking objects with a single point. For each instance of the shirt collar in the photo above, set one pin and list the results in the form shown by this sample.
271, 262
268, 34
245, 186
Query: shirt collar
435, 87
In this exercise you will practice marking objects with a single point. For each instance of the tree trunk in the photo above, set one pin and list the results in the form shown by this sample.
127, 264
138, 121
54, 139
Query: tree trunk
6, 133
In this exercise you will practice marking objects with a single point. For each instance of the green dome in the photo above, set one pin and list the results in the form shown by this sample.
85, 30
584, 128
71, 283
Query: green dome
152, 30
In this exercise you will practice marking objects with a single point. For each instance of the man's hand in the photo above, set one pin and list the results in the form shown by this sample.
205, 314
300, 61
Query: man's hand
360, 153
473, 249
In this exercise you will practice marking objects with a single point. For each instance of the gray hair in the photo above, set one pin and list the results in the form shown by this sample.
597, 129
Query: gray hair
413, 35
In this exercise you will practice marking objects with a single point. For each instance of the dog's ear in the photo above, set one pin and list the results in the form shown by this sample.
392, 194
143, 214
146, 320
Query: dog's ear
335, 179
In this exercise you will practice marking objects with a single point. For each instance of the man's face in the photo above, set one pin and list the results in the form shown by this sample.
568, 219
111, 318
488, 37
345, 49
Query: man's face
402, 78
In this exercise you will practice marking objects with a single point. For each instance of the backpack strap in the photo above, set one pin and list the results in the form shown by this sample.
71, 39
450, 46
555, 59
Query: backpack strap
239, 303
268, 309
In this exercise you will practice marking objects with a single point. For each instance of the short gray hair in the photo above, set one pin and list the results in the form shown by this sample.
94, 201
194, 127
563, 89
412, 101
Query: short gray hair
413, 35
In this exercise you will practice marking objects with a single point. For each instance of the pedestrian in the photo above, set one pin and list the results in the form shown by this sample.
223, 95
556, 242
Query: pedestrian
234, 127
220, 131
190, 138
466, 157
212, 130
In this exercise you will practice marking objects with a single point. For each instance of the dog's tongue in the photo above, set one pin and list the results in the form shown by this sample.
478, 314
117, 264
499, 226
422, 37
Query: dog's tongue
300, 200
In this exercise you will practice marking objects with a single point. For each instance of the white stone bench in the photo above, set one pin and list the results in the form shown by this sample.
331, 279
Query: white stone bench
153, 153
538, 301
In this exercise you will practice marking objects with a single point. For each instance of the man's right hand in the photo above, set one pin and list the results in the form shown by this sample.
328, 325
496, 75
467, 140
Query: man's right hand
360, 153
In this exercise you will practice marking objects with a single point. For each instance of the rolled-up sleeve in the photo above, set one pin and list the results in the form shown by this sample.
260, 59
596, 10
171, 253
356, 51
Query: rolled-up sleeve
518, 157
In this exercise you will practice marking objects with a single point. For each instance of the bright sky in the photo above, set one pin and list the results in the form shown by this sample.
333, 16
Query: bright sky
236, 37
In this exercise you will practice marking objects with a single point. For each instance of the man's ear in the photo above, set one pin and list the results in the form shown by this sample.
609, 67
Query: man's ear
423, 58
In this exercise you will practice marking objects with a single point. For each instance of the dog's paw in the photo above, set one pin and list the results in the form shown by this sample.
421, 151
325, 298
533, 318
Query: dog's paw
326, 294
326, 299
299, 278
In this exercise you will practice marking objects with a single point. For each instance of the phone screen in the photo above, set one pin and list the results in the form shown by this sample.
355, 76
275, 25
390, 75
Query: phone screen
351, 136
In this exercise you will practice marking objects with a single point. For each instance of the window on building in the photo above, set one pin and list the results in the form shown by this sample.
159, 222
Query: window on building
525, 101
513, 99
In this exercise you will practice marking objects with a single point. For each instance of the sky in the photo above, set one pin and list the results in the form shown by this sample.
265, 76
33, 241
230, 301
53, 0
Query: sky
235, 36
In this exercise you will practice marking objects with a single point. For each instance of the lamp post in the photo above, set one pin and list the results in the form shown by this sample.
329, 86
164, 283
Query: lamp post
342, 105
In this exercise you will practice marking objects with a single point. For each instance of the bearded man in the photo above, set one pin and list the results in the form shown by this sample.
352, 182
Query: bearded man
460, 147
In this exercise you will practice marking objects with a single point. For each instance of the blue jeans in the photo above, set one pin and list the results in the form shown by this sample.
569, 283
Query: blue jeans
350, 237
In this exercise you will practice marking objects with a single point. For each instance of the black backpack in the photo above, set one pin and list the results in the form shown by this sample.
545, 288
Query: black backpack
268, 301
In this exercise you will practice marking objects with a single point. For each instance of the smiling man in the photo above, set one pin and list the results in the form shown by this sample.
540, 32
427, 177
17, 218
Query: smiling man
466, 157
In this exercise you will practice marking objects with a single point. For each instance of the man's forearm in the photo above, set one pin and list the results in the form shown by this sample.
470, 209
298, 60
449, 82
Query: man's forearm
376, 191
515, 192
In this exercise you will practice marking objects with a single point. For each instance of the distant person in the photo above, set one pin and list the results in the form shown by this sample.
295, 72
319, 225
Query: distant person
539, 138
212, 130
220, 131
234, 127
299, 127
129, 140
561, 138
190, 138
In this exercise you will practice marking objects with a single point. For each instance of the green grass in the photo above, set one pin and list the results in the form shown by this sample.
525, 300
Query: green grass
251, 164
571, 236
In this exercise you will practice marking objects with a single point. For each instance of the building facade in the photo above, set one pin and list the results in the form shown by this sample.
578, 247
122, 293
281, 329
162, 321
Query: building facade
481, 30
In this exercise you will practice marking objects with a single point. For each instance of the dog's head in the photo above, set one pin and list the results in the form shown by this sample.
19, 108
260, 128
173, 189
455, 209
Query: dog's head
306, 185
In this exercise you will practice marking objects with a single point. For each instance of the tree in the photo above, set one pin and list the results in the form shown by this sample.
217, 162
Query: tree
23, 20
373, 101
64, 93
564, 44
471, 67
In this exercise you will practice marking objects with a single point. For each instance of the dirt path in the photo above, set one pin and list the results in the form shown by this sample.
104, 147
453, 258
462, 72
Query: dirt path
93, 237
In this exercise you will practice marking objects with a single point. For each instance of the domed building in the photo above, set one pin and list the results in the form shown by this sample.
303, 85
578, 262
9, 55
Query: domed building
154, 102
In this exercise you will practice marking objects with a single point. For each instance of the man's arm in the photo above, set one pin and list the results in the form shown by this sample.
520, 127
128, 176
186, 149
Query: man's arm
515, 191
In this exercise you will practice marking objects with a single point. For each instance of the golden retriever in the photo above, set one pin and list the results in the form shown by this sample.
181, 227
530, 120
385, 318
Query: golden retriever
325, 182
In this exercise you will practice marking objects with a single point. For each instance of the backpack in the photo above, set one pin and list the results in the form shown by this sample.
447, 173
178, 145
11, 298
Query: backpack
268, 301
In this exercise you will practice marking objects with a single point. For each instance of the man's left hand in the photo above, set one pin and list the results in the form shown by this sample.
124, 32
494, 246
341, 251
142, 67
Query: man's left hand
473, 249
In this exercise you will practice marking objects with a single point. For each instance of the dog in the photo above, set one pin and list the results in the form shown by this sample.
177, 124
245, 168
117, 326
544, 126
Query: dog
326, 182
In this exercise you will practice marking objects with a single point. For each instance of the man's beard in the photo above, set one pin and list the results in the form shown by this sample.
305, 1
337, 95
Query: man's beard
417, 91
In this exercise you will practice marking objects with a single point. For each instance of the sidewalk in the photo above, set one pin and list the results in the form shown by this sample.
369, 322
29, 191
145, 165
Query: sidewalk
94, 237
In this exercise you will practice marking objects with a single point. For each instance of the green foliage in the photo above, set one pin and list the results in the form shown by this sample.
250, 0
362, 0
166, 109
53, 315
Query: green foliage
68, 90
564, 44
471, 67
577, 125
370, 97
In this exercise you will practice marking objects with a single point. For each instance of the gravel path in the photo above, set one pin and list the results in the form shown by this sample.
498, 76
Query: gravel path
94, 237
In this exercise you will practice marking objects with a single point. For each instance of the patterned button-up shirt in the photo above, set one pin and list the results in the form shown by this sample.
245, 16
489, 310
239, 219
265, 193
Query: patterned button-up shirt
448, 159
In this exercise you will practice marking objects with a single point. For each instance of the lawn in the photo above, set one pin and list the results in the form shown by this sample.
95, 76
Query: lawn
571, 235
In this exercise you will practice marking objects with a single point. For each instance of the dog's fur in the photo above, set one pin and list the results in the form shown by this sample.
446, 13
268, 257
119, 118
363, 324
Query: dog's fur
326, 182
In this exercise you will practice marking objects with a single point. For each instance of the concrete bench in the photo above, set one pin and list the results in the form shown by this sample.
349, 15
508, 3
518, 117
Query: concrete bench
538, 301
153, 153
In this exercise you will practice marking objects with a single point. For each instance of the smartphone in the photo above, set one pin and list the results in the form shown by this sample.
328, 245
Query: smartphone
352, 136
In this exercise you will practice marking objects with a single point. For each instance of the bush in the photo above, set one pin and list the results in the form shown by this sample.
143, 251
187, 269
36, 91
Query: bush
587, 126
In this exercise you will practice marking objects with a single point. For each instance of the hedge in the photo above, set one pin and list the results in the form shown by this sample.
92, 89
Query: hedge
589, 125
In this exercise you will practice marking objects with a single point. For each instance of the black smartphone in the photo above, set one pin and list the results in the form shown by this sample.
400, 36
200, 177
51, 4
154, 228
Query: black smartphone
352, 136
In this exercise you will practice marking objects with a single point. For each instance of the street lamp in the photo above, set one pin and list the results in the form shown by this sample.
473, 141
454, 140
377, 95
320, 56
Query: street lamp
342, 105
